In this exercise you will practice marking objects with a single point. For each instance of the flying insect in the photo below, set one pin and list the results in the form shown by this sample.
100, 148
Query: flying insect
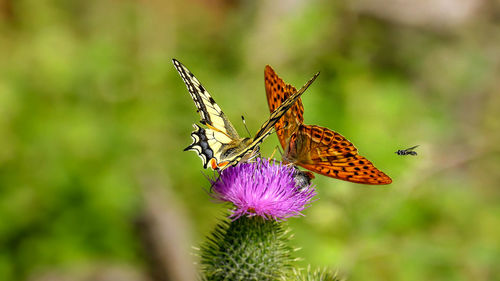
408, 151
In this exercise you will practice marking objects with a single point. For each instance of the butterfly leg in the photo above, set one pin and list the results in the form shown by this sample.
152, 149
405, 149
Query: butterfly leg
276, 148
272, 154
250, 156
254, 154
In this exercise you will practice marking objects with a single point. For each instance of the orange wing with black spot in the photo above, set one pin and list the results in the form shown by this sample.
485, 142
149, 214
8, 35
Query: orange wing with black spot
326, 152
277, 92
315, 148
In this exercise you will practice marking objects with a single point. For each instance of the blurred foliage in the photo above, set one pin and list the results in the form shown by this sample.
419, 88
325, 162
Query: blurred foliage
90, 103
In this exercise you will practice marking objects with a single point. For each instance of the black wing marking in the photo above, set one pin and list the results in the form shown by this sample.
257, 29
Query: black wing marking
200, 145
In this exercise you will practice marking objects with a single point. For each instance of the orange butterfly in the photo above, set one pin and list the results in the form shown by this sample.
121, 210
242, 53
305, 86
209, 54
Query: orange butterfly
315, 148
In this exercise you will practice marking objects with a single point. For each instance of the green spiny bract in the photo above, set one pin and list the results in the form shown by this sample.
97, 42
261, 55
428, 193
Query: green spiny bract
311, 275
246, 249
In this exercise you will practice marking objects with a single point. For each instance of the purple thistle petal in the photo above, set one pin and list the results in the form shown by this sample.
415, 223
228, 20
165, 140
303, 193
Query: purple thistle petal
262, 189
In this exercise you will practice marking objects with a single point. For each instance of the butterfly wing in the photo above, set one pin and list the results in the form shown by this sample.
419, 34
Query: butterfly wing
285, 106
275, 117
277, 91
210, 143
326, 152
209, 111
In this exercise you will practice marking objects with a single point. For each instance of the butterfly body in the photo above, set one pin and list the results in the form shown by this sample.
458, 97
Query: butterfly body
408, 151
218, 144
316, 148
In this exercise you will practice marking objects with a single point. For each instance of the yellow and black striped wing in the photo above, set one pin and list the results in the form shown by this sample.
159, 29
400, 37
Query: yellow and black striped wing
209, 111
210, 143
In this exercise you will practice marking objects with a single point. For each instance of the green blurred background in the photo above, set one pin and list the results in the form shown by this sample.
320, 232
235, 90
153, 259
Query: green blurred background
94, 118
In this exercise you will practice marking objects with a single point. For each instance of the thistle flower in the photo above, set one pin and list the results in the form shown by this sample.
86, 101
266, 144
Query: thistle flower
262, 189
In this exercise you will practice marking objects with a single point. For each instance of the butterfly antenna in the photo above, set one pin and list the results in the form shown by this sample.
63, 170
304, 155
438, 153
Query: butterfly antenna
246, 128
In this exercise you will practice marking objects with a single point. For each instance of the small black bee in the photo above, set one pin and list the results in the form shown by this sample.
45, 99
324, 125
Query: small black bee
408, 151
